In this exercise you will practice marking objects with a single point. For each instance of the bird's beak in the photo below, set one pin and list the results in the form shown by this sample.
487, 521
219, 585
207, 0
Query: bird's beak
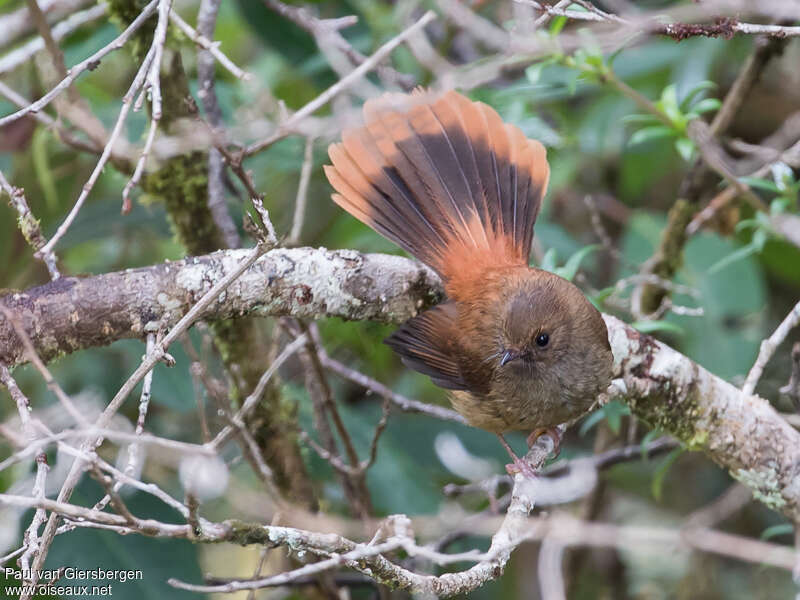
508, 356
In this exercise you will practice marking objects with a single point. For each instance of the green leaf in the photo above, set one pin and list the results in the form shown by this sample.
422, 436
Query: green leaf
651, 133
557, 25
776, 530
707, 105
685, 148
649, 437
549, 260
615, 410
760, 184
657, 326
641, 119
669, 104
737, 255
692, 93
612, 412
661, 471
569, 269
590, 421
760, 237
601, 295
41, 165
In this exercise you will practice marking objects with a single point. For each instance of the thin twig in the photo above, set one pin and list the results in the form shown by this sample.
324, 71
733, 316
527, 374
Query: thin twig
402, 402
339, 86
253, 399
768, 348
211, 47
23, 54
137, 83
147, 364
33, 357
29, 226
206, 23
87, 64
302, 193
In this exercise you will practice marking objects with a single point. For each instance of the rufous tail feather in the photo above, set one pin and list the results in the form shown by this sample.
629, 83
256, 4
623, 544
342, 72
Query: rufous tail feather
445, 179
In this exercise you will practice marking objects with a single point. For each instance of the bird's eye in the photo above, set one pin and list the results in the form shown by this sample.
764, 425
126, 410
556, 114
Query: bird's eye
542, 340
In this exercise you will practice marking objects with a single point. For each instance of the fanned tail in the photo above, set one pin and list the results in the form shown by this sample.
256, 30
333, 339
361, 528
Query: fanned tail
445, 179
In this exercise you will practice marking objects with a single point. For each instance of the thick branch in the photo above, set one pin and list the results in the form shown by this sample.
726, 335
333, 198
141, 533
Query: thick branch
75, 313
740, 432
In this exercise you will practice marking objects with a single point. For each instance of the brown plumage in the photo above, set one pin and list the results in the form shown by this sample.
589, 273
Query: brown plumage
444, 178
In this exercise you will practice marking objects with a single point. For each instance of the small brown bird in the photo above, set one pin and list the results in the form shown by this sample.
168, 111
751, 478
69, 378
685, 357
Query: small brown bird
443, 177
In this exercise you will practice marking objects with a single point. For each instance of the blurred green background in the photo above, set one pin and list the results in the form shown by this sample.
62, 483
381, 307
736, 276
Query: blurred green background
591, 153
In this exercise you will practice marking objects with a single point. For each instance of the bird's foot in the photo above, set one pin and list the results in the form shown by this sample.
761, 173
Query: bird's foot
519, 465
554, 434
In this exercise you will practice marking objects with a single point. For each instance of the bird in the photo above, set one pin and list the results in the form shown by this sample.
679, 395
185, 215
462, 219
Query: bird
516, 347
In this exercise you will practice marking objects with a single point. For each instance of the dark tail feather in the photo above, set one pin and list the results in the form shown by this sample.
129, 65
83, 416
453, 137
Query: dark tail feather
444, 178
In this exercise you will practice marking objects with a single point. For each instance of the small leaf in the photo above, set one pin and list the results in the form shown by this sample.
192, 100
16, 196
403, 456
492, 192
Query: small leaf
737, 255
549, 260
760, 184
692, 93
669, 104
706, 105
570, 268
745, 224
776, 530
780, 205
661, 472
590, 421
649, 437
651, 133
615, 410
760, 237
557, 25
685, 148
641, 119
656, 326
669, 96
43, 169
601, 295
612, 412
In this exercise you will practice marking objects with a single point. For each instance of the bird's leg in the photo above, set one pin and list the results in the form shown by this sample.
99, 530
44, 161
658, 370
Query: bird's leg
553, 432
519, 465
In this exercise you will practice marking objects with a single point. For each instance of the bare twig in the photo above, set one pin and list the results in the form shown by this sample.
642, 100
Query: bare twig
792, 388
402, 402
204, 41
206, 23
253, 399
23, 53
147, 364
302, 193
768, 348
357, 73
60, 131
33, 357
137, 83
87, 64
29, 226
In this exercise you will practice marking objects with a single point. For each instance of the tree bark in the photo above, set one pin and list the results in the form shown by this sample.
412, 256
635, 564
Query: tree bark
740, 432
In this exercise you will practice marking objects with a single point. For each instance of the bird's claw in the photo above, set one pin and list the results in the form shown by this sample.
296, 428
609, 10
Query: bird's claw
554, 434
520, 466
